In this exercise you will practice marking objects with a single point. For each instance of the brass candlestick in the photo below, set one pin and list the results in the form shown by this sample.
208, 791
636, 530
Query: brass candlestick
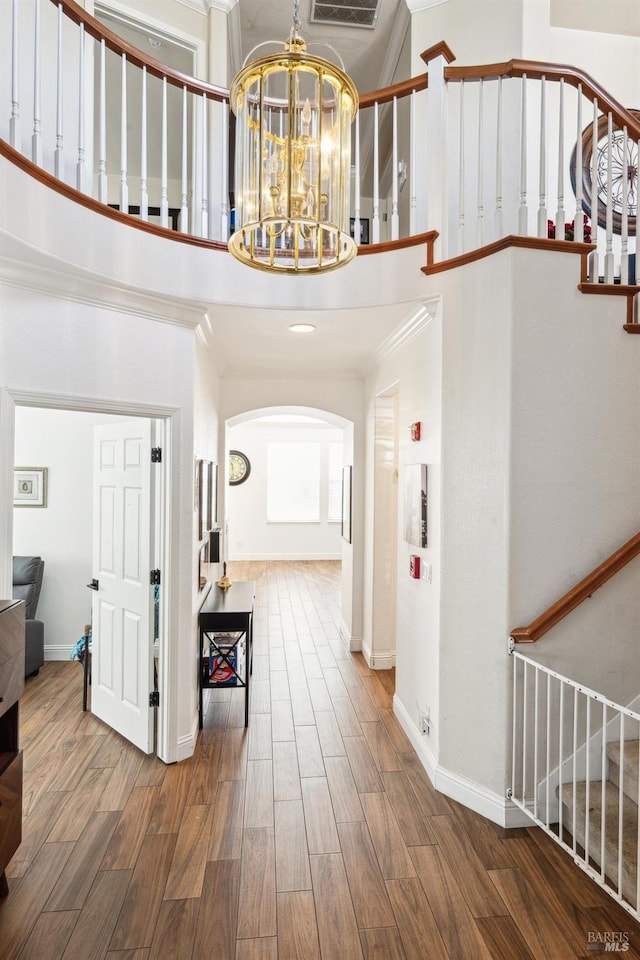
224, 583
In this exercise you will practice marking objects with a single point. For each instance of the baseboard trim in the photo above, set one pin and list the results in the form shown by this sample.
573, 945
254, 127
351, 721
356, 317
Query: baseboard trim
58, 651
187, 744
470, 794
384, 660
353, 644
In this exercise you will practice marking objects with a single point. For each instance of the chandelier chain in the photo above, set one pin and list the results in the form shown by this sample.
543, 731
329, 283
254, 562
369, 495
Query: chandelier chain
297, 23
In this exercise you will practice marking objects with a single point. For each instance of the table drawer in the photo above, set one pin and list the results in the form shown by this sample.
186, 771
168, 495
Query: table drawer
11, 681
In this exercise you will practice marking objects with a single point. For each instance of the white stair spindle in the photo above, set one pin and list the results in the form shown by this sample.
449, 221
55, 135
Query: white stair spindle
621, 803
560, 212
480, 186
624, 216
204, 217
608, 257
461, 197
14, 123
547, 816
594, 266
376, 177
356, 207
524, 734
499, 212
81, 167
574, 777
164, 188
36, 139
184, 208
603, 792
587, 777
124, 183
542, 200
395, 218
144, 189
523, 212
578, 216
224, 207
58, 155
536, 721
102, 134
413, 180
560, 756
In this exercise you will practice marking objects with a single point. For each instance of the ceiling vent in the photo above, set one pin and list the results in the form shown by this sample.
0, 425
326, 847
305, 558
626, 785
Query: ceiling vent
345, 13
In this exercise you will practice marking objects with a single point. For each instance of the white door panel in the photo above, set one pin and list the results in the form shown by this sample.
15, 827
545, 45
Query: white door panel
122, 672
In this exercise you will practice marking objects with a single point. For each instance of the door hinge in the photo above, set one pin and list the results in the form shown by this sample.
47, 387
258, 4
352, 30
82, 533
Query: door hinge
154, 577
154, 698
156, 454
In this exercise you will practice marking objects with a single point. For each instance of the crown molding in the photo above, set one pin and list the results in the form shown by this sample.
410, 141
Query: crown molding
408, 330
226, 6
418, 6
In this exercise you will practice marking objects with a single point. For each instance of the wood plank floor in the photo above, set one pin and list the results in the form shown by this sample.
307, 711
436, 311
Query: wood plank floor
313, 835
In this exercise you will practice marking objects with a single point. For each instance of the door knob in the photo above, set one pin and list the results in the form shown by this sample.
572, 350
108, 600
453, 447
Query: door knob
93, 585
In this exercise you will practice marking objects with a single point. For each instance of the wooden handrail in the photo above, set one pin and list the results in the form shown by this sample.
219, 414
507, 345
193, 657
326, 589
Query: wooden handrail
537, 69
580, 592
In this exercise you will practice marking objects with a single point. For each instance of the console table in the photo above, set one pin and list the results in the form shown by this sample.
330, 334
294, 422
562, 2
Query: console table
224, 621
11, 688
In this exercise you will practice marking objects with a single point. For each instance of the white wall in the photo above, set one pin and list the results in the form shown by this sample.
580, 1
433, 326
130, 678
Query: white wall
74, 352
62, 532
414, 372
251, 535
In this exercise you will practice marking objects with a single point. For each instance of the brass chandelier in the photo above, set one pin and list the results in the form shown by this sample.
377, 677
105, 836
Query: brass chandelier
293, 156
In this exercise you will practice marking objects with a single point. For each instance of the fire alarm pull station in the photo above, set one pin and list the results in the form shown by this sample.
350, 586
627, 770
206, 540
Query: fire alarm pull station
415, 430
414, 567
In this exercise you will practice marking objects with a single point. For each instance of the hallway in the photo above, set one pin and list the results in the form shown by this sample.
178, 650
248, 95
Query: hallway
314, 835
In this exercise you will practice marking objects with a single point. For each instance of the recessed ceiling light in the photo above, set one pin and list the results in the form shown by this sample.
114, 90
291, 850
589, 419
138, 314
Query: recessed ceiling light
302, 327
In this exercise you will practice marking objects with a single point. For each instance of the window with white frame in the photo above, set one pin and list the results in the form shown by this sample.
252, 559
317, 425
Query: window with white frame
293, 481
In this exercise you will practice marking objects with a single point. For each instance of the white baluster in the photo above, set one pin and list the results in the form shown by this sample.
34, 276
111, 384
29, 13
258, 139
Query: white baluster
588, 765
36, 139
224, 207
499, 211
376, 185
81, 166
14, 123
536, 721
603, 780
574, 775
525, 716
395, 219
620, 798
594, 266
144, 189
164, 188
578, 216
523, 212
413, 180
542, 202
204, 218
624, 226
184, 209
124, 183
461, 198
547, 817
560, 214
102, 135
58, 155
356, 208
560, 755
480, 186
608, 257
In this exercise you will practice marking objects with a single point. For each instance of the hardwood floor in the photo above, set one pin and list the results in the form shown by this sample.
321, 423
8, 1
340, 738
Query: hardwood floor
313, 835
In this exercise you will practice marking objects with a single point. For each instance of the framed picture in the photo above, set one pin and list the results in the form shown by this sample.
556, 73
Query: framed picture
364, 231
30, 487
415, 504
346, 503
213, 513
205, 469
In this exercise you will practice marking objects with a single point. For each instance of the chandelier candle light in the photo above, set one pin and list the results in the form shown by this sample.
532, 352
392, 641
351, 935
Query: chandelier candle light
293, 156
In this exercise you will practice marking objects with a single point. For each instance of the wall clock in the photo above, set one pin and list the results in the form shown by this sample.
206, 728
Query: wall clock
239, 467
623, 166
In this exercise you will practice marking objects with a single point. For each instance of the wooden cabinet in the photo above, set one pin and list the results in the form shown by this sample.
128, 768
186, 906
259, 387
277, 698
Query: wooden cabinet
11, 688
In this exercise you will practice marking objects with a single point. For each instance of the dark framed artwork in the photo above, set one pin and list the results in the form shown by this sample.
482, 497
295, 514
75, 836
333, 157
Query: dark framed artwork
415, 504
346, 503
364, 230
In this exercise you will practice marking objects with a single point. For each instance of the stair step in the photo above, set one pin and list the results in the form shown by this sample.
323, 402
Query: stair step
631, 766
629, 831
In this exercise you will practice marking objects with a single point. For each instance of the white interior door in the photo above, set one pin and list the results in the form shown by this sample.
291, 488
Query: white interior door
122, 657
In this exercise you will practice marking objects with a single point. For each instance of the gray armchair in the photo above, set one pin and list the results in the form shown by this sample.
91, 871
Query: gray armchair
27, 582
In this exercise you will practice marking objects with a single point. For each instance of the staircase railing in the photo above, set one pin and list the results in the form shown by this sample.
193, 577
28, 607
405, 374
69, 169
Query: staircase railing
575, 753
475, 153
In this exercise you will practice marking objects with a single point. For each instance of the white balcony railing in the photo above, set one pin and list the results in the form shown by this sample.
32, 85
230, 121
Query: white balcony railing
474, 153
